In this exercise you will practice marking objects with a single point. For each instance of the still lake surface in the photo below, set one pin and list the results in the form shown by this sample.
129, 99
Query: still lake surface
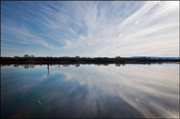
130, 91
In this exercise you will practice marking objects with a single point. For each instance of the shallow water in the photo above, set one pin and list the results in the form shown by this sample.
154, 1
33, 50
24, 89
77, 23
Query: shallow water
130, 91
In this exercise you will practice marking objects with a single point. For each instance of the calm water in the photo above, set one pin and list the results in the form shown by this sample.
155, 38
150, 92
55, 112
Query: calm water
145, 91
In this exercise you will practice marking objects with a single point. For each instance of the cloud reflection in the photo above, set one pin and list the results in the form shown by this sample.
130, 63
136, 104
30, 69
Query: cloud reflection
98, 91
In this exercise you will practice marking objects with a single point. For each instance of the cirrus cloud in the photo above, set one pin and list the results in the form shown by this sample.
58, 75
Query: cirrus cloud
91, 28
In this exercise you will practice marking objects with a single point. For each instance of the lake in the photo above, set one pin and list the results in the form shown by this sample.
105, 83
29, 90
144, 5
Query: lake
91, 91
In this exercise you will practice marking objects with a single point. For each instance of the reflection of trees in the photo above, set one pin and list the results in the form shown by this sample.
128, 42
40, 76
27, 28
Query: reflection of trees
118, 65
31, 66
105, 64
77, 65
66, 65
160, 63
26, 66
16, 65
99, 64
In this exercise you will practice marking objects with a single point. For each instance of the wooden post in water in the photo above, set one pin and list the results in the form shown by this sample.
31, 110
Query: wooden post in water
48, 69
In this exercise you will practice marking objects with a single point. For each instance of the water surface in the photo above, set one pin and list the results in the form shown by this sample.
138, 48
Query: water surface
130, 91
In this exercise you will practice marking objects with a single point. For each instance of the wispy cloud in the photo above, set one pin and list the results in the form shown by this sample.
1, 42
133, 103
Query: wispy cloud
91, 28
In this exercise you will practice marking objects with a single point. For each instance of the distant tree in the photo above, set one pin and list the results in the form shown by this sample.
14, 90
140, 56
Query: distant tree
117, 57
16, 56
77, 57
26, 55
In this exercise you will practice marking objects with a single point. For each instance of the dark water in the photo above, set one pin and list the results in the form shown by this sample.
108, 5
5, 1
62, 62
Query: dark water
130, 91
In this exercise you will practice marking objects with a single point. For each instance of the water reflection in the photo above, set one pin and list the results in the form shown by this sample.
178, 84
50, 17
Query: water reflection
27, 66
48, 91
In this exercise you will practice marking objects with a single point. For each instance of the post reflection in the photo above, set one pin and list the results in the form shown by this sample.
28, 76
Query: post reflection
48, 69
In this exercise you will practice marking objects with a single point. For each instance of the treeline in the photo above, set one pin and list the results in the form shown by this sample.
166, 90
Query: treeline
149, 59
65, 59
31, 59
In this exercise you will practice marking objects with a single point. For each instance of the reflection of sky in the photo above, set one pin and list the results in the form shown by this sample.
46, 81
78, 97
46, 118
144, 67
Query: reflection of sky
90, 28
91, 91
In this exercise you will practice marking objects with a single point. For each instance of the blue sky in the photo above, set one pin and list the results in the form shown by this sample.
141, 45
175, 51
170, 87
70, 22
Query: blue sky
90, 28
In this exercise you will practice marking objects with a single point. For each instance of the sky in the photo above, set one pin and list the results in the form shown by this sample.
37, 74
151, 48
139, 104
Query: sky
90, 28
